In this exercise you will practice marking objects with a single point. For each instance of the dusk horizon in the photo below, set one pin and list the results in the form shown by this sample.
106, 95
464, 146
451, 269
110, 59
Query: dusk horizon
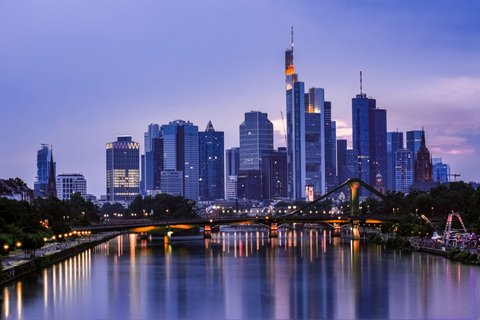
76, 75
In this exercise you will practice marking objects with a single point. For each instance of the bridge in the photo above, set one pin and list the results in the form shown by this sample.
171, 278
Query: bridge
273, 222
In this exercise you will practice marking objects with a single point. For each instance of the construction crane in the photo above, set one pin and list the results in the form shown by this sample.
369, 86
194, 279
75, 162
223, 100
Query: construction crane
284, 130
454, 175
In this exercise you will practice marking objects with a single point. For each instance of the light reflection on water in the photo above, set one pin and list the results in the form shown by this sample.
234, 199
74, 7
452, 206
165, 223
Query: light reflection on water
244, 274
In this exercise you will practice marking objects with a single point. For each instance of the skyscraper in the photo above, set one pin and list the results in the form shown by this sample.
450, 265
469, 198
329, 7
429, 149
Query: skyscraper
314, 137
295, 103
44, 165
369, 137
232, 167
150, 166
180, 149
394, 143
329, 137
211, 163
123, 169
68, 184
274, 174
414, 141
403, 170
256, 138
342, 160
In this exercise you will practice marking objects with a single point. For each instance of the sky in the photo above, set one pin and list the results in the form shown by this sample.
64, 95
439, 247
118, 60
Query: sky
78, 73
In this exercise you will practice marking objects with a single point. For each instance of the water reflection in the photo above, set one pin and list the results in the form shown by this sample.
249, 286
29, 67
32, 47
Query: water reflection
244, 274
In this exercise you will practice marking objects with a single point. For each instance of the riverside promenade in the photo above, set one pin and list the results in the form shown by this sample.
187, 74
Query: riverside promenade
17, 264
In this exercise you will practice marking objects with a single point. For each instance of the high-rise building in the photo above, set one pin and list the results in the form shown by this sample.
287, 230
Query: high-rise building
295, 105
180, 149
314, 135
232, 167
342, 160
403, 170
123, 169
44, 165
329, 137
423, 163
441, 171
256, 136
378, 145
68, 184
274, 174
414, 141
211, 163
369, 137
150, 166
171, 182
394, 143
361, 106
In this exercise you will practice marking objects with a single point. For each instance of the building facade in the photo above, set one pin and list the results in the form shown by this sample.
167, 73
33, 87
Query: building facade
211, 164
45, 164
68, 184
403, 170
274, 174
180, 150
394, 143
232, 168
123, 169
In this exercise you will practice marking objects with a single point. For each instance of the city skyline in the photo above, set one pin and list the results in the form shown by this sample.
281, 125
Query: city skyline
77, 80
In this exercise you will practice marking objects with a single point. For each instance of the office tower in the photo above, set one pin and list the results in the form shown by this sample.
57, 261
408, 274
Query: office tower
414, 141
330, 137
143, 188
369, 137
44, 164
423, 163
403, 170
232, 167
150, 166
314, 135
342, 160
274, 174
378, 145
180, 153
123, 169
68, 184
154, 165
249, 184
295, 106
394, 143
171, 182
211, 163
441, 171
256, 138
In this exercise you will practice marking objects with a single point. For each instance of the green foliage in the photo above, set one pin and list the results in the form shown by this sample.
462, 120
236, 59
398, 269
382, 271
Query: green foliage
164, 207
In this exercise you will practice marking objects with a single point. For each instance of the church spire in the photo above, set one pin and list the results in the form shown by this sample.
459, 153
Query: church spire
51, 185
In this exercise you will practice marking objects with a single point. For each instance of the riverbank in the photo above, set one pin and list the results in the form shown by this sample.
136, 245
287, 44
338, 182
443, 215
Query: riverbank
15, 268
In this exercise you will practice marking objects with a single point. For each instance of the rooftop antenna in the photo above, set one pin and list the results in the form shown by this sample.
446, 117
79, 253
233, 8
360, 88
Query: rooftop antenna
292, 43
361, 83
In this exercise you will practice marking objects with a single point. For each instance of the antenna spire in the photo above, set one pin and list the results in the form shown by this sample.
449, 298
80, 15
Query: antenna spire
361, 83
292, 43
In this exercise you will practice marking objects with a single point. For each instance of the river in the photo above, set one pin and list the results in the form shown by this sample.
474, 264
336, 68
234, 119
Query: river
246, 275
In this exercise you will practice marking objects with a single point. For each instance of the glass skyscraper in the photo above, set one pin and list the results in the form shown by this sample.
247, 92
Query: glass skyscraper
414, 141
256, 136
369, 138
403, 170
211, 163
180, 149
123, 169
44, 165
394, 143
232, 167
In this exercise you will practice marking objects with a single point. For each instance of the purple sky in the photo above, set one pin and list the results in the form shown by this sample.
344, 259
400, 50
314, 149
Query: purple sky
77, 73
